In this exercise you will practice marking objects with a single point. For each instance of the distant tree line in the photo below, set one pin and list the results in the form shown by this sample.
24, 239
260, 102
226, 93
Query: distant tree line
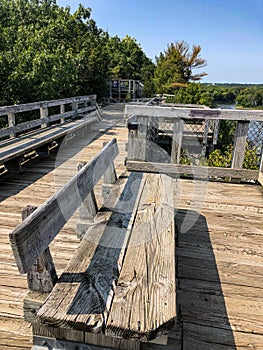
47, 52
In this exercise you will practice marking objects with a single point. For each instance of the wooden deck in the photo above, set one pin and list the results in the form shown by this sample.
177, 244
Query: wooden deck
219, 248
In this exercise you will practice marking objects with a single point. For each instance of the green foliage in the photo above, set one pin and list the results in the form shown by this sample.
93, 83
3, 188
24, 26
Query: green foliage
221, 158
250, 97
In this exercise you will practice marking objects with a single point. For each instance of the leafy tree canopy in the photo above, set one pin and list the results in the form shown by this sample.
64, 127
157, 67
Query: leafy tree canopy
46, 52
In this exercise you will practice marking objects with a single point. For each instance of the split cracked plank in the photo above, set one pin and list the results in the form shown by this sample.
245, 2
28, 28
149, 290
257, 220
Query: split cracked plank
145, 300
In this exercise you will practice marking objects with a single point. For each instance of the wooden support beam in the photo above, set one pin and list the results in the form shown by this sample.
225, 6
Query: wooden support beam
193, 170
87, 210
260, 174
240, 144
42, 275
62, 111
169, 113
11, 122
44, 115
178, 127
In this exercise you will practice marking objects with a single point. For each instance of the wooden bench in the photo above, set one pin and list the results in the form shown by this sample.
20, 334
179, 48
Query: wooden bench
38, 137
118, 289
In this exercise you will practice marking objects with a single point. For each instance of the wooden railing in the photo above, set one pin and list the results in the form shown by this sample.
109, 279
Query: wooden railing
75, 105
162, 135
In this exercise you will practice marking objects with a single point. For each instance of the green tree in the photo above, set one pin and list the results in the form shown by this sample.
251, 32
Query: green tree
176, 65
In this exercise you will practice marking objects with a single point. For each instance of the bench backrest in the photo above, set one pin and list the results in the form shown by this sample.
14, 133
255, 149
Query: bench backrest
30, 239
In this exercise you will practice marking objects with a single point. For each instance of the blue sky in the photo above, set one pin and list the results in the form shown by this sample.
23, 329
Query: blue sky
230, 32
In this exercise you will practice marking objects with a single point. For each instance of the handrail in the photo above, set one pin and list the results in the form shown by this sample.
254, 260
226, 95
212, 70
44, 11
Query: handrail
170, 113
44, 104
79, 105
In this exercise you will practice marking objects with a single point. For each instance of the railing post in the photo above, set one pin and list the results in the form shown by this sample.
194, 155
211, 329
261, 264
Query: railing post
140, 146
11, 122
260, 174
87, 210
44, 114
152, 131
178, 128
42, 276
62, 111
132, 139
240, 144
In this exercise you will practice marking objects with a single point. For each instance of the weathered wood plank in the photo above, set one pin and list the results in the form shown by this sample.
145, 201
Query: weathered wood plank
145, 304
196, 171
178, 128
240, 144
203, 337
260, 174
169, 113
42, 275
29, 239
43, 121
82, 297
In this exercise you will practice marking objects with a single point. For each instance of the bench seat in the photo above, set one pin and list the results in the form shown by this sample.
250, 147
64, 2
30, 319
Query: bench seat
121, 280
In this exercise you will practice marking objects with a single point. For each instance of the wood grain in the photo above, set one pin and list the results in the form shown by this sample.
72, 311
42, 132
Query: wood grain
82, 297
145, 303
195, 170
30, 238
169, 113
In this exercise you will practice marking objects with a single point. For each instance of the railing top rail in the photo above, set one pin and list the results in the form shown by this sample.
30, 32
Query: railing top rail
43, 104
170, 113
37, 231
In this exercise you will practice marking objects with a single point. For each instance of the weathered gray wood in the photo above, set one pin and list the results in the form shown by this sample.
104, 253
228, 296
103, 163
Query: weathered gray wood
260, 174
82, 297
240, 144
62, 111
205, 137
32, 303
110, 175
37, 105
58, 339
42, 275
178, 128
151, 139
194, 170
43, 121
169, 113
132, 137
44, 115
11, 122
141, 142
87, 210
49, 134
30, 238
145, 299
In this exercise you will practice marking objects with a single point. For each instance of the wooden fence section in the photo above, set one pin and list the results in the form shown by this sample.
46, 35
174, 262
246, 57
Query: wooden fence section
79, 105
32, 138
159, 135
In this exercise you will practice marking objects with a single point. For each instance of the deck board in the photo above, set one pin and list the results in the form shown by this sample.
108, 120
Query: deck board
219, 258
